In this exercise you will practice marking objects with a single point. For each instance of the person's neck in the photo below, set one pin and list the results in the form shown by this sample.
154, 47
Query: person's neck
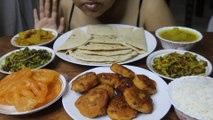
115, 13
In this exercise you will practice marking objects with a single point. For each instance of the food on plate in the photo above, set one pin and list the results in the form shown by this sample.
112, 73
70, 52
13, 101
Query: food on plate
108, 78
111, 44
93, 103
108, 88
103, 47
85, 82
77, 38
121, 70
143, 82
26, 90
30, 58
125, 98
176, 65
101, 59
138, 99
106, 53
34, 37
45, 75
192, 97
178, 35
123, 84
118, 109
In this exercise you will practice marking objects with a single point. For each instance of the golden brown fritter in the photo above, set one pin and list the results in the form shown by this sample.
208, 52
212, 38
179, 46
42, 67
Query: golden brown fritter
138, 99
121, 70
85, 82
144, 83
108, 88
123, 84
118, 109
93, 103
108, 78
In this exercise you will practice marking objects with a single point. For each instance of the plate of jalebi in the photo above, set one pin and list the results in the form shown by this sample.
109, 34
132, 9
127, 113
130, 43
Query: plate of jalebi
28, 91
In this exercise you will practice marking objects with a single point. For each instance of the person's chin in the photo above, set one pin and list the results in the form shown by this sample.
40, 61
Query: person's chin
93, 14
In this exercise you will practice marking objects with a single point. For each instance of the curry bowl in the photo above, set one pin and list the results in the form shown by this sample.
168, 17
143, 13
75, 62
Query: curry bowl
174, 63
43, 36
178, 37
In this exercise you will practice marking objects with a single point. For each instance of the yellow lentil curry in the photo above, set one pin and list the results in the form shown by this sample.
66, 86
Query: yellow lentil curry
179, 35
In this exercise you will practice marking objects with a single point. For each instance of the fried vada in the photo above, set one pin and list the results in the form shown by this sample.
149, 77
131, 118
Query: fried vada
121, 70
93, 103
138, 99
123, 84
108, 78
145, 83
108, 88
85, 82
118, 109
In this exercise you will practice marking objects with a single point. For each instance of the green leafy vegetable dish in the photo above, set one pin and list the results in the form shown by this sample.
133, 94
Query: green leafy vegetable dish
176, 65
30, 58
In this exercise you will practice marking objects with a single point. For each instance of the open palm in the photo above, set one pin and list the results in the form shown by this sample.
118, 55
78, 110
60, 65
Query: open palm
45, 19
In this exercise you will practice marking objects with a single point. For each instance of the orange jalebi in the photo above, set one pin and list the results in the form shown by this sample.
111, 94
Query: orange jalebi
28, 89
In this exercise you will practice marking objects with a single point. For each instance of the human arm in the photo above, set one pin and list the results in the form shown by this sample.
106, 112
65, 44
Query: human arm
47, 18
156, 14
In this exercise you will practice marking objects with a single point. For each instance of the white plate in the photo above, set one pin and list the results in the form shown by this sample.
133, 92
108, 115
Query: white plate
30, 47
160, 99
150, 58
54, 32
10, 110
150, 39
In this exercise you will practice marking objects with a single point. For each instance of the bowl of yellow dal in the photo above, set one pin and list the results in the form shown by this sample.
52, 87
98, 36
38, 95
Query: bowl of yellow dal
178, 37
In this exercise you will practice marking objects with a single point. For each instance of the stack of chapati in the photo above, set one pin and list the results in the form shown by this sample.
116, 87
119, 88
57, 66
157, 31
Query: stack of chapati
105, 44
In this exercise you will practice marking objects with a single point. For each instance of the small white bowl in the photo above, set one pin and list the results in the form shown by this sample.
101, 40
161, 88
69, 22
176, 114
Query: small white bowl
54, 32
168, 44
160, 53
191, 97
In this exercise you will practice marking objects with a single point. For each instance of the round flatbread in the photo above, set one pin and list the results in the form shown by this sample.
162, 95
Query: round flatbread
103, 59
77, 38
105, 53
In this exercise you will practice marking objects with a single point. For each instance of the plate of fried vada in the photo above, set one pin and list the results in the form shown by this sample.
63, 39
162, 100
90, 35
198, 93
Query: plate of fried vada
116, 92
28, 91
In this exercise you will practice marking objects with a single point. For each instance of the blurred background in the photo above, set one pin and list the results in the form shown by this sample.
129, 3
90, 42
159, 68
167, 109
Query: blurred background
192, 13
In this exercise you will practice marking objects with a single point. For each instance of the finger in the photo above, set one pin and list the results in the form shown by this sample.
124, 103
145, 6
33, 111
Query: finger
41, 9
35, 14
54, 9
61, 25
47, 8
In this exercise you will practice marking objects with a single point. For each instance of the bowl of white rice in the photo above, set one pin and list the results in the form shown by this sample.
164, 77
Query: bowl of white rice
192, 97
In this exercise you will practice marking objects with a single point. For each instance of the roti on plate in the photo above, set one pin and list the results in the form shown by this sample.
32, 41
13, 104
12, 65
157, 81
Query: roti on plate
103, 59
77, 38
107, 44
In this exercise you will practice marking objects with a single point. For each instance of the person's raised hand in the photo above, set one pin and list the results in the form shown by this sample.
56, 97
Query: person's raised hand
46, 17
